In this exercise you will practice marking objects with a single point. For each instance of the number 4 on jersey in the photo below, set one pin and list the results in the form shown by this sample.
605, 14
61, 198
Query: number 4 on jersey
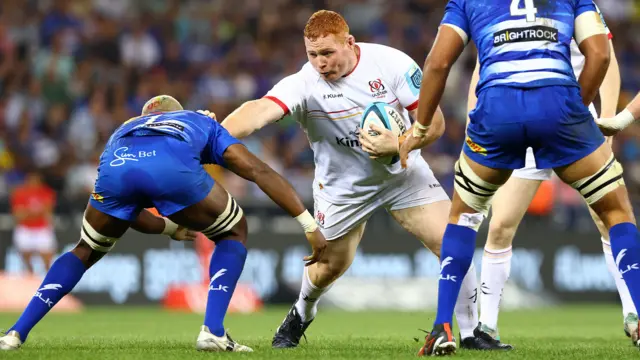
529, 9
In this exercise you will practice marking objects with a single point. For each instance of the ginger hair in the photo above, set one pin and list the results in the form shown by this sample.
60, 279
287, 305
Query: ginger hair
325, 22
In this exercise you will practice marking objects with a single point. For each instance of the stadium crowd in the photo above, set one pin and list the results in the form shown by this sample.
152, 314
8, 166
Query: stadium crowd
72, 70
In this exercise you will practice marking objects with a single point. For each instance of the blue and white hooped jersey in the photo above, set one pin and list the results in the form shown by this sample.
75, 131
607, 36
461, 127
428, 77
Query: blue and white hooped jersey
521, 43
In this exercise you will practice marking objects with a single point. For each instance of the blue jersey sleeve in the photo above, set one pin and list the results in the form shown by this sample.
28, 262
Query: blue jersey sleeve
455, 15
583, 6
219, 140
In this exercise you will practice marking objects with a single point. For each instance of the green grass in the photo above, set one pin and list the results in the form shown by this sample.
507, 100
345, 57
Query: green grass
577, 332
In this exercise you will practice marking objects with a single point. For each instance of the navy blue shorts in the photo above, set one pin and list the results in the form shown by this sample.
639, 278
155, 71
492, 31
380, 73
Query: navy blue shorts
552, 120
137, 172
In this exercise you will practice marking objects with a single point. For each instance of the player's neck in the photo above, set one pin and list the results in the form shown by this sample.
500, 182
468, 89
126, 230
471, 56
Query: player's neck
354, 59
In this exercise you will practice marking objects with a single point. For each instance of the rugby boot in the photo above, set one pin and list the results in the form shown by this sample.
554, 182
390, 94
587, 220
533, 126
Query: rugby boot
209, 342
10, 341
439, 342
291, 330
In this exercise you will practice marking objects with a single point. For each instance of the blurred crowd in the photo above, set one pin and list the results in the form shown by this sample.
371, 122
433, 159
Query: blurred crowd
71, 71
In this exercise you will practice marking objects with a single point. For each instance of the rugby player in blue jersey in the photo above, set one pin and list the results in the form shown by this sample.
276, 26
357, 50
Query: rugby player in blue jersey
155, 160
528, 96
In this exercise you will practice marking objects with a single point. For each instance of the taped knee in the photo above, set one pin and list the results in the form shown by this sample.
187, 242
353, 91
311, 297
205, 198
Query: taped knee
474, 191
605, 180
94, 239
226, 221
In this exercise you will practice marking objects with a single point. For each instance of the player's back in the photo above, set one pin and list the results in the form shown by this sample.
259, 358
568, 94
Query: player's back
528, 95
521, 43
156, 161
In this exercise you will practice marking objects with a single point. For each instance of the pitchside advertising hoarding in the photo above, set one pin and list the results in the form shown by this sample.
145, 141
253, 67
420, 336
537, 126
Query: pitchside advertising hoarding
391, 269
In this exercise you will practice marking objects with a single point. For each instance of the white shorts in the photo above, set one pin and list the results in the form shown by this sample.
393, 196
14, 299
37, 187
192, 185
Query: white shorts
34, 240
530, 171
419, 187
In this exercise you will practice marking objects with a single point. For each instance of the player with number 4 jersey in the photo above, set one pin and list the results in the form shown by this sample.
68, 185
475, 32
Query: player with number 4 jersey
512, 201
528, 96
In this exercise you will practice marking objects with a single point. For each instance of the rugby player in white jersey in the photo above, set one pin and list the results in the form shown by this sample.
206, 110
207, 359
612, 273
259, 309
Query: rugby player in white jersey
327, 97
513, 198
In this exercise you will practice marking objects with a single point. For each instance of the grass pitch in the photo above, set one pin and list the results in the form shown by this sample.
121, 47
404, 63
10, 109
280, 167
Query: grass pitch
576, 332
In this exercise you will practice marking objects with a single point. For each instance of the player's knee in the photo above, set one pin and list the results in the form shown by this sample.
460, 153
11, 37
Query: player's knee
604, 181
474, 192
95, 240
231, 224
335, 264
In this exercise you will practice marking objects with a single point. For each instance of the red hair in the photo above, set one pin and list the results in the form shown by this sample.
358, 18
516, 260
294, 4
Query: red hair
323, 23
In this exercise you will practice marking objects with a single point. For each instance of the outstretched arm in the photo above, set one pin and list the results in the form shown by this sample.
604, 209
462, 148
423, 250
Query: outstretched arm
251, 116
242, 162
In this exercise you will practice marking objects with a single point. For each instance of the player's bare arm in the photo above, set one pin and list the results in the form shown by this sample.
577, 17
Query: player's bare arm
148, 223
447, 47
472, 99
610, 88
242, 162
597, 57
251, 116
611, 126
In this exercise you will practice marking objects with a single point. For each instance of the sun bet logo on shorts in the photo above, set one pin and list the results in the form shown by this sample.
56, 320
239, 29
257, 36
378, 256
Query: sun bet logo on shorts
534, 33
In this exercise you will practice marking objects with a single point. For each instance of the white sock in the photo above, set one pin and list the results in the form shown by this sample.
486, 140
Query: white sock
466, 309
496, 267
307, 304
623, 291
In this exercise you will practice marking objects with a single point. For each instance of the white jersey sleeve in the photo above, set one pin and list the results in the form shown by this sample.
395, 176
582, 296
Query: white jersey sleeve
292, 91
406, 77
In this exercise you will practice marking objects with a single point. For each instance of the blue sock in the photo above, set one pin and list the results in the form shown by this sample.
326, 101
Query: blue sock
63, 276
625, 244
226, 266
458, 246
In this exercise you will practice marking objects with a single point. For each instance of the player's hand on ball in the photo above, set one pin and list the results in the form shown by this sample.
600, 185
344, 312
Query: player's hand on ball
409, 144
318, 245
208, 113
382, 144
184, 234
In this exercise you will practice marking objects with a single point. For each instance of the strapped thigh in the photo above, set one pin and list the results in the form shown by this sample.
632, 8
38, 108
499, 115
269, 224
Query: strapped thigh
231, 215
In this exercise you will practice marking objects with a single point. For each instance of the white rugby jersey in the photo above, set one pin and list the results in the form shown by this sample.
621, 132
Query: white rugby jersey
577, 59
330, 113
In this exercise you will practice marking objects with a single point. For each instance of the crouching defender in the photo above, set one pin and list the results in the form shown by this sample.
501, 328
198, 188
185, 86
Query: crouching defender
155, 160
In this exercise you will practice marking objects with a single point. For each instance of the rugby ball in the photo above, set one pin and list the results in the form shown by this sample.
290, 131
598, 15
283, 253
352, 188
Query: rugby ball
386, 116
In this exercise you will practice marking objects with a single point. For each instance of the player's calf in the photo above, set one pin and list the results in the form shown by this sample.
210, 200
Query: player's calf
220, 218
67, 270
602, 186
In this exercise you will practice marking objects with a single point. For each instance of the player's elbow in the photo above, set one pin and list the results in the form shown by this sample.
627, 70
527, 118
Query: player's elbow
438, 64
600, 56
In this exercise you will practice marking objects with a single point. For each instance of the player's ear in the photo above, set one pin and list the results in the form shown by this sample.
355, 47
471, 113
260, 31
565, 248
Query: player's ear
351, 41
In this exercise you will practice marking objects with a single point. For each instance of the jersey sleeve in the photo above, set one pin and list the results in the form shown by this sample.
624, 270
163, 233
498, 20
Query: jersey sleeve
218, 142
609, 34
456, 17
289, 92
583, 6
406, 77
